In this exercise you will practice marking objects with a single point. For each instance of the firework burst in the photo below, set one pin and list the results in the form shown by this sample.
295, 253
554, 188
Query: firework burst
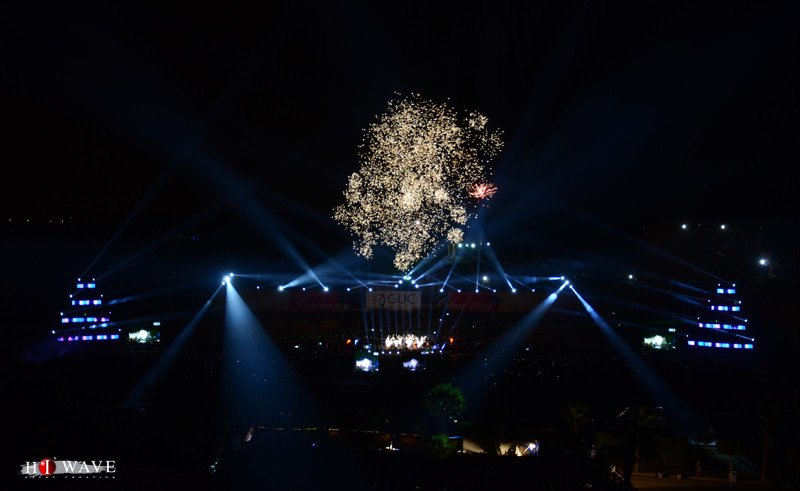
419, 162
482, 190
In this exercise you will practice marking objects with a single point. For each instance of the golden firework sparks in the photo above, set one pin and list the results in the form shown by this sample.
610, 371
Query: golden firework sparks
419, 162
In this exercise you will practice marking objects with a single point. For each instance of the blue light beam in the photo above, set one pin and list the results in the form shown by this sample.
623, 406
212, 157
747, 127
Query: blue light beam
659, 392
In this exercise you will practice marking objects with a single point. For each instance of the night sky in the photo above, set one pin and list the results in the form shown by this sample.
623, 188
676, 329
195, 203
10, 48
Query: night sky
615, 116
179, 143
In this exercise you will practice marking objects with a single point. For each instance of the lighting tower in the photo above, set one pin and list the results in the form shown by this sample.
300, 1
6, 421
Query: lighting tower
85, 317
723, 312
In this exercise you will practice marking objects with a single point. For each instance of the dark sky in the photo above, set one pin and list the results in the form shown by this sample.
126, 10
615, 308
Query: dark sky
613, 114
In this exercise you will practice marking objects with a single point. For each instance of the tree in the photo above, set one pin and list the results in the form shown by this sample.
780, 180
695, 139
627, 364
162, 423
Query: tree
441, 445
637, 427
671, 452
446, 402
730, 447
697, 453
610, 451
769, 415
648, 421
577, 417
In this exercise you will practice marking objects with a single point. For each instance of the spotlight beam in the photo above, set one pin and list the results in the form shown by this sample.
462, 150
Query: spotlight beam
518, 281
258, 383
497, 266
329, 259
243, 195
686, 286
696, 301
155, 244
168, 357
149, 294
640, 243
449, 273
650, 380
657, 330
478, 269
492, 363
425, 261
128, 219
727, 332
438, 265
685, 318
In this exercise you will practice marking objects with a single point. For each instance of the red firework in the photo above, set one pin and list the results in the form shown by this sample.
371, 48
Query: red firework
482, 190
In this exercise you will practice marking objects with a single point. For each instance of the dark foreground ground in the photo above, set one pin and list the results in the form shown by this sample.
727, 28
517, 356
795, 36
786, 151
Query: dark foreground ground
72, 407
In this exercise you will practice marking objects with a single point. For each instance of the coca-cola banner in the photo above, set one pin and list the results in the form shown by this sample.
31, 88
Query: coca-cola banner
472, 302
342, 302
488, 302
320, 302
295, 301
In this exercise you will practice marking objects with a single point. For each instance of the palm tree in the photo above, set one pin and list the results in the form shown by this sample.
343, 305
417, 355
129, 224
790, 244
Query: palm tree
770, 418
671, 452
730, 447
648, 420
638, 427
